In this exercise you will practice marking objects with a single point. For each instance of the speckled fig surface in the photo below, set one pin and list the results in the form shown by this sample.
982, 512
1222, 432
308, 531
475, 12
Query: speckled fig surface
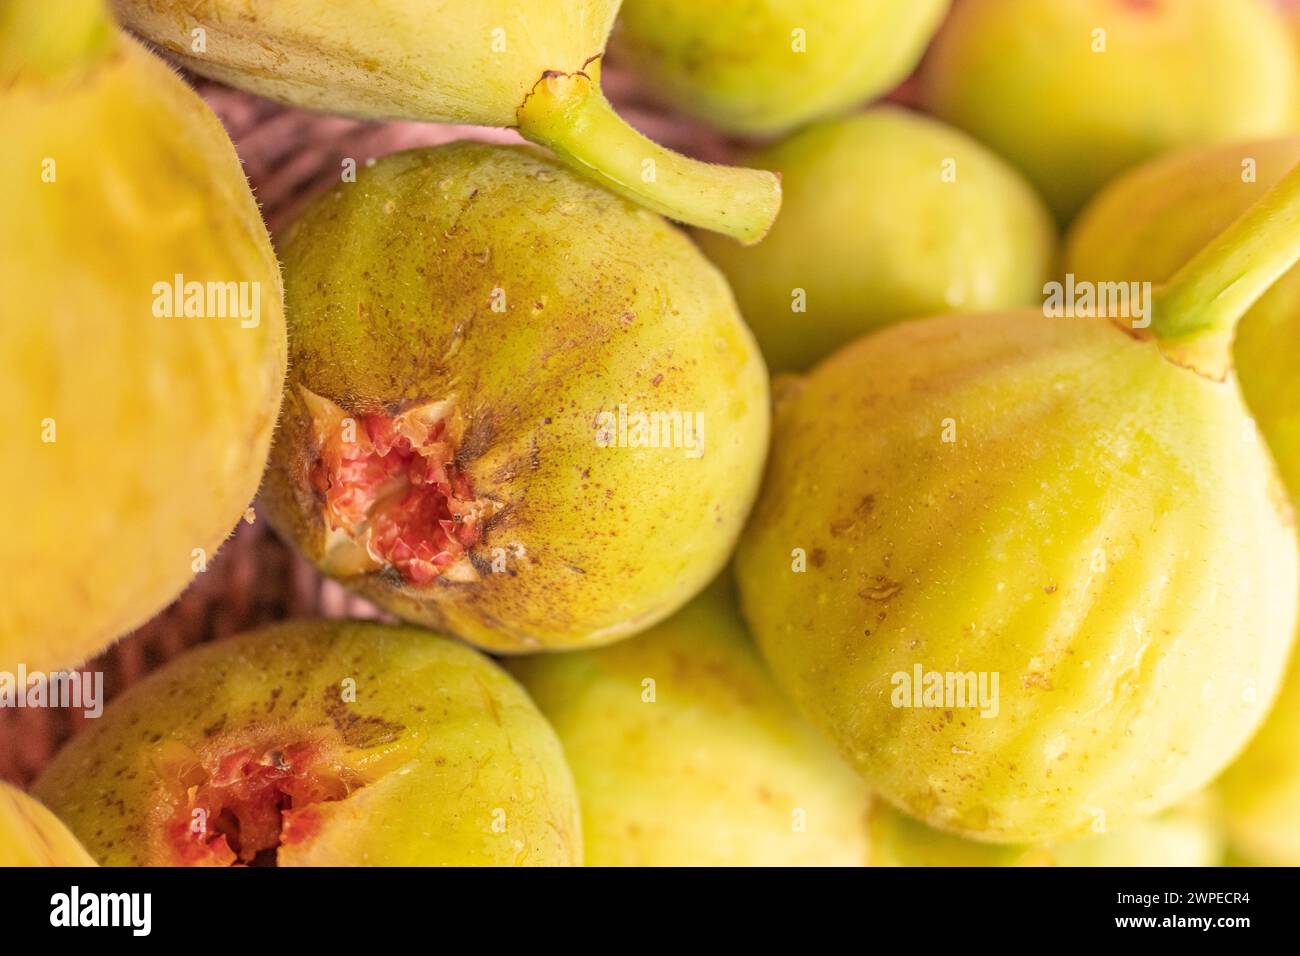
320, 743
1024, 498
521, 410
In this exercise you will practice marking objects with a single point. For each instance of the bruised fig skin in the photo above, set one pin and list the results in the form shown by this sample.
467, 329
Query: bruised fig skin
533, 65
1076, 91
765, 67
135, 433
1186, 835
686, 754
320, 743
32, 836
490, 323
888, 215
1058, 503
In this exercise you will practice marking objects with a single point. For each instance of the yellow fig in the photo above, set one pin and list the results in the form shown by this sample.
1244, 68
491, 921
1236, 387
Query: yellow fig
521, 409
142, 345
888, 215
765, 67
1187, 835
686, 754
1021, 567
320, 743
1150, 221
1076, 91
533, 65
32, 836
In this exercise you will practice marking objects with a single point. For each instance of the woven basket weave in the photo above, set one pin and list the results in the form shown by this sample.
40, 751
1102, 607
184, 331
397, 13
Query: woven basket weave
289, 156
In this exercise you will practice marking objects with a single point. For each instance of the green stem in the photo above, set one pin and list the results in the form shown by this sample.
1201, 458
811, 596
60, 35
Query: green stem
47, 39
1196, 312
568, 114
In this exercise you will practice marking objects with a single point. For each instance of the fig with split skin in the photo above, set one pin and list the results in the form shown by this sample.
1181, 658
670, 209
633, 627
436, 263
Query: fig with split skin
533, 65
1076, 91
765, 67
888, 215
137, 420
1186, 835
521, 410
684, 752
320, 743
32, 836
1057, 522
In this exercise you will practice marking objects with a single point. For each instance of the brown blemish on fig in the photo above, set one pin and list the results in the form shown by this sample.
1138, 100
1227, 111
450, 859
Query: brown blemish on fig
358, 731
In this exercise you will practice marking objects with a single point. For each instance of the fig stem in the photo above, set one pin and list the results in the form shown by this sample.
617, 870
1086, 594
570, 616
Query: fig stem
44, 40
568, 114
1213, 290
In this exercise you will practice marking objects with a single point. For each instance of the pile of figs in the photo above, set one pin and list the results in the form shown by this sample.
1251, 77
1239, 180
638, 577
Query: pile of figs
919, 492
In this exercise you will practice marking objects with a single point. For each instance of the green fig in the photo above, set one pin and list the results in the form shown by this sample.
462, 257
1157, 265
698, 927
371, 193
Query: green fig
686, 754
768, 66
533, 65
888, 215
1186, 835
32, 836
320, 743
139, 411
1076, 91
1152, 220
1022, 567
521, 409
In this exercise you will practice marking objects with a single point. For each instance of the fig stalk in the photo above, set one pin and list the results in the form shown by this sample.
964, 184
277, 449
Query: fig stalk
1196, 312
568, 114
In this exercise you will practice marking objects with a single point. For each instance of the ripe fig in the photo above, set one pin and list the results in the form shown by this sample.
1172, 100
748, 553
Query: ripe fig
320, 743
533, 65
142, 348
1150, 221
32, 836
1186, 835
1047, 589
769, 66
686, 754
522, 410
1076, 91
887, 215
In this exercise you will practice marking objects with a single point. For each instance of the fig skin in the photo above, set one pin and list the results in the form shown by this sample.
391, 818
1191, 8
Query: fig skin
389, 285
530, 65
711, 772
1021, 76
1260, 792
32, 836
457, 743
735, 66
160, 426
873, 234
1097, 535
1186, 835
1146, 224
